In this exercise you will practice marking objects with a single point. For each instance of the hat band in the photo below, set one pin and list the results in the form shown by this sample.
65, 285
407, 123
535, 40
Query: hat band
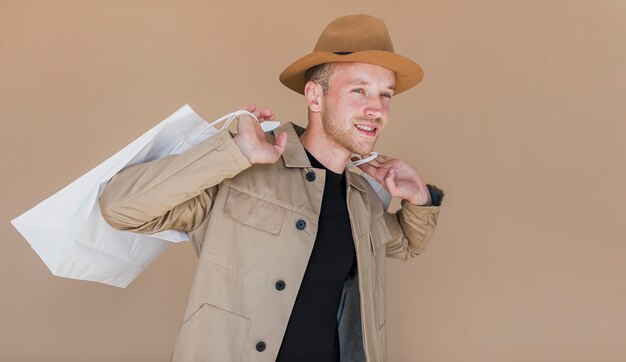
343, 53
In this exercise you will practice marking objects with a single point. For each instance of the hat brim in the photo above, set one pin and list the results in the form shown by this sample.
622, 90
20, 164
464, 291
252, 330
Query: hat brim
408, 73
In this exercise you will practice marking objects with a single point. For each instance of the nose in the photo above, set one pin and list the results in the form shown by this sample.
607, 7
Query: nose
374, 107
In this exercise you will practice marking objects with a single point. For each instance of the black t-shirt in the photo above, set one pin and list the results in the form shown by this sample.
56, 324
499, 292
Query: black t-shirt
311, 334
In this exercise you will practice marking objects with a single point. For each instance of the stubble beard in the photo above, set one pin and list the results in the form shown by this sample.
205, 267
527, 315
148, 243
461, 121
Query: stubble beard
346, 137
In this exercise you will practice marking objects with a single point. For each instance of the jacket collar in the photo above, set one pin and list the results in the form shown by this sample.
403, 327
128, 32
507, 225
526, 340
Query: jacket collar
355, 180
295, 155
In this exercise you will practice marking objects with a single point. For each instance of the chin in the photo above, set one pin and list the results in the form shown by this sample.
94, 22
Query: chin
362, 151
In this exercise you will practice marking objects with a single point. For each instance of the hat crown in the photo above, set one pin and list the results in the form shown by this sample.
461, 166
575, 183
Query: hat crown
354, 38
355, 33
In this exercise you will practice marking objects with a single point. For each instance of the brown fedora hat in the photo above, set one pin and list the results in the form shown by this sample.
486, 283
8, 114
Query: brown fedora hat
354, 38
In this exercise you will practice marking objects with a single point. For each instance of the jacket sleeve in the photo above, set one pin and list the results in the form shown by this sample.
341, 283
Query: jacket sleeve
412, 227
174, 192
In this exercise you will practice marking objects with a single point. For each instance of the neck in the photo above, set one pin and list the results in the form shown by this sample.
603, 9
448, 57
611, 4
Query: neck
326, 151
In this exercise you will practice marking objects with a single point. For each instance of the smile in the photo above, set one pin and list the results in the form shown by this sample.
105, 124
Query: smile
368, 130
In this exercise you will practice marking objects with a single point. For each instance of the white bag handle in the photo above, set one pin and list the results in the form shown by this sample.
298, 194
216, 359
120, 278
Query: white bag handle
372, 156
383, 194
229, 118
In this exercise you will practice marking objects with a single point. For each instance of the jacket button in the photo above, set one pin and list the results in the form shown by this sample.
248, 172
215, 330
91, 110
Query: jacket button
310, 176
260, 346
280, 285
301, 224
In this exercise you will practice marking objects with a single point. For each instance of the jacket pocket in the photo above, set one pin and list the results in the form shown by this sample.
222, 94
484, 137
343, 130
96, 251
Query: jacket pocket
211, 334
379, 235
254, 212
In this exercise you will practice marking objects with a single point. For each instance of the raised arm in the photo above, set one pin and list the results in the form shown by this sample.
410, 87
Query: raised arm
172, 193
176, 192
413, 225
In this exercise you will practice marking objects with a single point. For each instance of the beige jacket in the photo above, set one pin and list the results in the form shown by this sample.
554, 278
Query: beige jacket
253, 227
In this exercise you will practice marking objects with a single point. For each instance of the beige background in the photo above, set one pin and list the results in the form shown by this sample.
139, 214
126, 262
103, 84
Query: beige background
520, 118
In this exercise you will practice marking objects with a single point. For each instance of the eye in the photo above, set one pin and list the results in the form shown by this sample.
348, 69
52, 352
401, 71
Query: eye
387, 95
359, 91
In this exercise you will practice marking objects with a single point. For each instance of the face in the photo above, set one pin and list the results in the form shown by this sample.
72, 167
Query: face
357, 105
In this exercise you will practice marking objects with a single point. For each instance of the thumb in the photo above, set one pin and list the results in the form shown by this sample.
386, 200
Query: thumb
281, 143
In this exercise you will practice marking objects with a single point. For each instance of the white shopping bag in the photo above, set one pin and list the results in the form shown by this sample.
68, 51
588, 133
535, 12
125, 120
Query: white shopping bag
67, 230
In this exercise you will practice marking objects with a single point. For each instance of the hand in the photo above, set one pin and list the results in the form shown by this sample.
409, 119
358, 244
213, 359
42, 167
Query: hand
399, 178
251, 139
262, 114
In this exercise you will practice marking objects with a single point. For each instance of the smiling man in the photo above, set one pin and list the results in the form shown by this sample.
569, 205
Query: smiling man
291, 244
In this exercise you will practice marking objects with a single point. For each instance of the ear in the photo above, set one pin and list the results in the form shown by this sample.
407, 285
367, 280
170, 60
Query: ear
313, 94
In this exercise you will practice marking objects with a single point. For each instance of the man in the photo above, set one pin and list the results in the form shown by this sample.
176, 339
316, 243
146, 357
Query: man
291, 246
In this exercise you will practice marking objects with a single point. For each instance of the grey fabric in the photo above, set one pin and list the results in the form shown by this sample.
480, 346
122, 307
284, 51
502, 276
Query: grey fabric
349, 317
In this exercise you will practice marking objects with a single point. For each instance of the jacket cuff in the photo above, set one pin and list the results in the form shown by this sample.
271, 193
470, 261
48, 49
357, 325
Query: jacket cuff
226, 138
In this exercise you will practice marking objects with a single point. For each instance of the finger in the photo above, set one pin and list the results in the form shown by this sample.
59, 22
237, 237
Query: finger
245, 117
383, 158
390, 182
281, 143
250, 108
266, 113
367, 167
370, 170
376, 162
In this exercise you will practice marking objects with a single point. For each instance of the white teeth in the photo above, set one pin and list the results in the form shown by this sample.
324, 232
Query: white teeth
365, 128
